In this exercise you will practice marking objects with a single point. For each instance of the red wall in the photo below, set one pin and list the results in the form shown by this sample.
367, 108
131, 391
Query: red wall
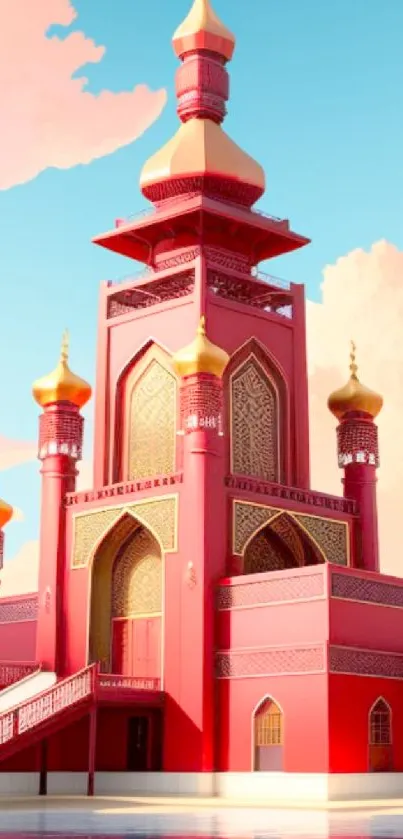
17, 641
303, 700
350, 701
366, 625
273, 624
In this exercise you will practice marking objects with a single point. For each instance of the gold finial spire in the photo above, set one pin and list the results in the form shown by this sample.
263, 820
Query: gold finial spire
202, 29
62, 385
354, 397
201, 356
64, 351
353, 364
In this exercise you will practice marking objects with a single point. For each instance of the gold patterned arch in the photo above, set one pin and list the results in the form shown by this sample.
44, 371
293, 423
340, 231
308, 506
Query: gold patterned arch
158, 515
126, 582
149, 394
329, 537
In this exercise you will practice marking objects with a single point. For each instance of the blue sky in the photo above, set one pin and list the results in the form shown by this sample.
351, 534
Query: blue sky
315, 97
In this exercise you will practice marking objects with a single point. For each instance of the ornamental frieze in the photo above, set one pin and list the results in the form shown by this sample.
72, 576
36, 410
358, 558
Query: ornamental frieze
157, 514
331, 536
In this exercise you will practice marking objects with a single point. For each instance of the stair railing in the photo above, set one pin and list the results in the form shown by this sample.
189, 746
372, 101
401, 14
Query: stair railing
38, 709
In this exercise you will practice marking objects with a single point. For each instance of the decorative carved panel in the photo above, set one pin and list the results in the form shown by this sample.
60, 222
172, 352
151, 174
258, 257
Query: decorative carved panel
266, 554
329, 535
367, 591
254, 422
284, 527
137, 578
277, 590
365, 662
159, 514
248, 518
25, 609
152, 423
238, 663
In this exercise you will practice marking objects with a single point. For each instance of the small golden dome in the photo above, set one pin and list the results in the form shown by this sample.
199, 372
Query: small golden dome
6, 513
203, 30
61, 385
354, 396
201, 356
201, 147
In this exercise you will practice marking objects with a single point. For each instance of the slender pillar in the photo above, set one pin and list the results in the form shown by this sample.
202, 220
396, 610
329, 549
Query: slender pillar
61, 394
190, 680
43, 774
92, 748
357, 443
356, 407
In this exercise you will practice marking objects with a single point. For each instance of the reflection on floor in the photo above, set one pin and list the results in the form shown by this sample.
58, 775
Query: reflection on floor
31, 821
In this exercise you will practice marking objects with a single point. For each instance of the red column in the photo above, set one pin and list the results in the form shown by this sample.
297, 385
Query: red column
357, 441
190, 718
60, 442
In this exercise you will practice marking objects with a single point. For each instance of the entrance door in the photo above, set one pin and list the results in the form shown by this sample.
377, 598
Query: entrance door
137, 744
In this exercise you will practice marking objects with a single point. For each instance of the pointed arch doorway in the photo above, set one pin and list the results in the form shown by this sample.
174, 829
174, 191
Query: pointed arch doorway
126, 601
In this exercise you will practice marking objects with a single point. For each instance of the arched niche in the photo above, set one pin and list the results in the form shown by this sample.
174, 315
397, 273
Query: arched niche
126, 602
279, 545
380, 738
257, 415
146, 417
268, 736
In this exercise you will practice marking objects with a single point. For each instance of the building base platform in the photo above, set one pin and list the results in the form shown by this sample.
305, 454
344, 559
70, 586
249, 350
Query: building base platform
260, 787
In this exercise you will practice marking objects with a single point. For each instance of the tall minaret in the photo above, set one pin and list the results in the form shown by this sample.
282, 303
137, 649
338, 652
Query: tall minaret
61, 394
355, 406
203, 534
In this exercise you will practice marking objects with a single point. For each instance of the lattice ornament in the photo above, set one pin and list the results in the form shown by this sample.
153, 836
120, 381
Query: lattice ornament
248, 518
275, 590
159, 514
357, 442
137, 578
61, 432
25, 609
241, 664
254, 423
263, 554
367, 591
152, 424
201, 403
365, 662
331, 536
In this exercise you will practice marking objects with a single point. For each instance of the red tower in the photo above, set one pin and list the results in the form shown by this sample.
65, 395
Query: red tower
61, 394
355, 406
213, 615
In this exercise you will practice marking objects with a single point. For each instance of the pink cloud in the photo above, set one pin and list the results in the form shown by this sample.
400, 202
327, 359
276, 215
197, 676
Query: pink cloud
47, 118
362, 298
15, 452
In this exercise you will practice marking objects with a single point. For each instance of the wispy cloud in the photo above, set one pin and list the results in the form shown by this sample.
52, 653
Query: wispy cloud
15, 452
47, 117
362, 299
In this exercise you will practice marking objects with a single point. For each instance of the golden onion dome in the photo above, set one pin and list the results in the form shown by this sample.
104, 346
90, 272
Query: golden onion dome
203, 30
200, 147
62, 385
6, 513
354, 396
201, 356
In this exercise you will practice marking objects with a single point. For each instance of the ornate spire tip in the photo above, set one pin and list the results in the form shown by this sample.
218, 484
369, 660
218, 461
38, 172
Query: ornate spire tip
64, 351
353, 364
201, 329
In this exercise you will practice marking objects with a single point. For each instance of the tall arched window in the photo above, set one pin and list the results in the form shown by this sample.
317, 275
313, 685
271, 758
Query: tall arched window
268, 732
148, 397
380, 737
257, 411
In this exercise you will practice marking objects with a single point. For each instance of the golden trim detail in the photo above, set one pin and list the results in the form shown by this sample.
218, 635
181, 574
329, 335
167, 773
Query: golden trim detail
330, 536
158, 515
